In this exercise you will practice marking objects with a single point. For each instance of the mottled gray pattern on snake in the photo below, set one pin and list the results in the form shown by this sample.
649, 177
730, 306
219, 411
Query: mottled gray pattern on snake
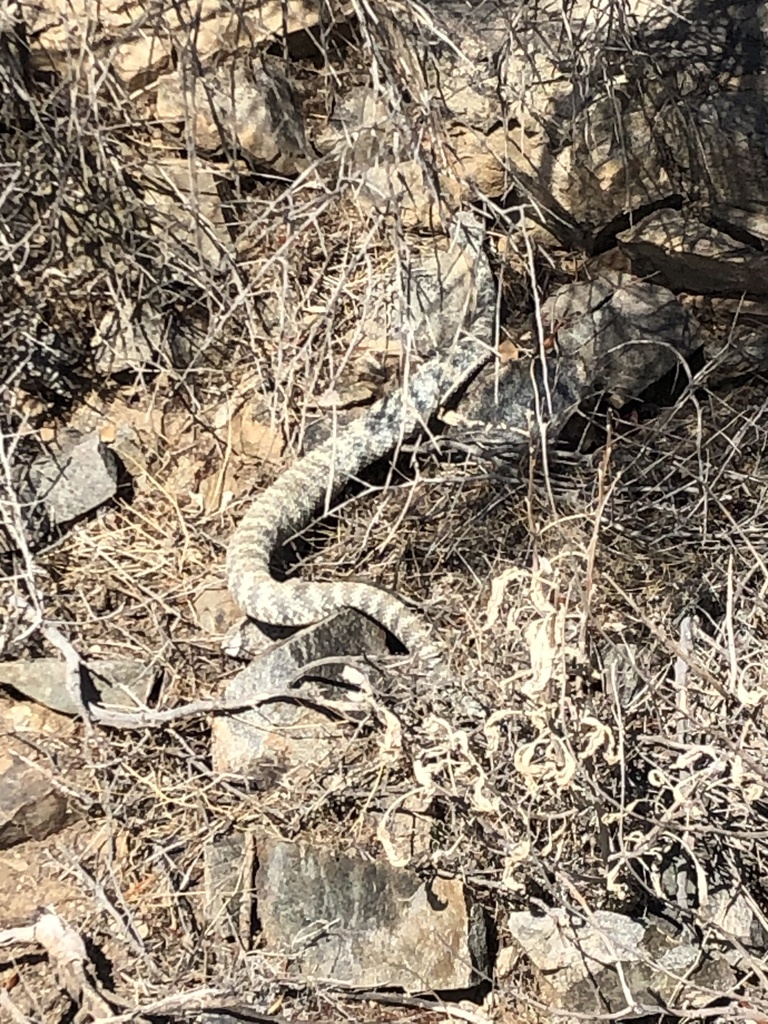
290, 502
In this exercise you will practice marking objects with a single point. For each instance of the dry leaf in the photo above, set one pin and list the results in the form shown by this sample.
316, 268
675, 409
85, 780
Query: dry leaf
599, 735
216, 611
257, 438
498, 590
212, 488
177, 427
508, 352
519, 854
567, 773
544, 640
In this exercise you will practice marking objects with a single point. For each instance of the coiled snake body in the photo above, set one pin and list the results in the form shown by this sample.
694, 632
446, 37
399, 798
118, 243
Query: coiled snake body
291, 501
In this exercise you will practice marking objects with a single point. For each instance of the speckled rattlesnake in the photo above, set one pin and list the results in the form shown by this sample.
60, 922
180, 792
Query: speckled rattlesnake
289, 503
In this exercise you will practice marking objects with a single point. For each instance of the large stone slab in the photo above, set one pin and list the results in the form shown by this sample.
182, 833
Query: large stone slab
615, 335
343, 918
614, 964
289, 730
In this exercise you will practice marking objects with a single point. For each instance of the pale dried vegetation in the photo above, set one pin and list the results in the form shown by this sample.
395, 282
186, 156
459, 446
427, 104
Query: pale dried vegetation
606, 610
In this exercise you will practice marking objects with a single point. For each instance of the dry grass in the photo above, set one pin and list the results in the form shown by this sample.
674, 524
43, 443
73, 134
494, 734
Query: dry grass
606, 741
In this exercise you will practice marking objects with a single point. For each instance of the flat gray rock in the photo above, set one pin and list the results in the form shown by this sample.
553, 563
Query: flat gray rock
287, 732
30, 806
345, 919
615, 335
71, 480
113, 682
614, 964
626, 333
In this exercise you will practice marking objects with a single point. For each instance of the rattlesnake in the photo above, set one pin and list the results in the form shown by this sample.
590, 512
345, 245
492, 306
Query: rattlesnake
290, 502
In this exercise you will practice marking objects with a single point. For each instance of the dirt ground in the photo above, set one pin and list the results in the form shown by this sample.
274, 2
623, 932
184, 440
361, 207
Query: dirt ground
605, 745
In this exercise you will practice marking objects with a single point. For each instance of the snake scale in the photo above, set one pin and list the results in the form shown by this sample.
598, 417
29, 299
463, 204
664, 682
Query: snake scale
297, 494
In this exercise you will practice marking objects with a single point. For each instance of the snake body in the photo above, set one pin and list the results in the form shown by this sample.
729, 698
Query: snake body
292, 500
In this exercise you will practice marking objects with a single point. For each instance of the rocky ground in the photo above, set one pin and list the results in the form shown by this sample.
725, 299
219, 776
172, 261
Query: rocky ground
214, 221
